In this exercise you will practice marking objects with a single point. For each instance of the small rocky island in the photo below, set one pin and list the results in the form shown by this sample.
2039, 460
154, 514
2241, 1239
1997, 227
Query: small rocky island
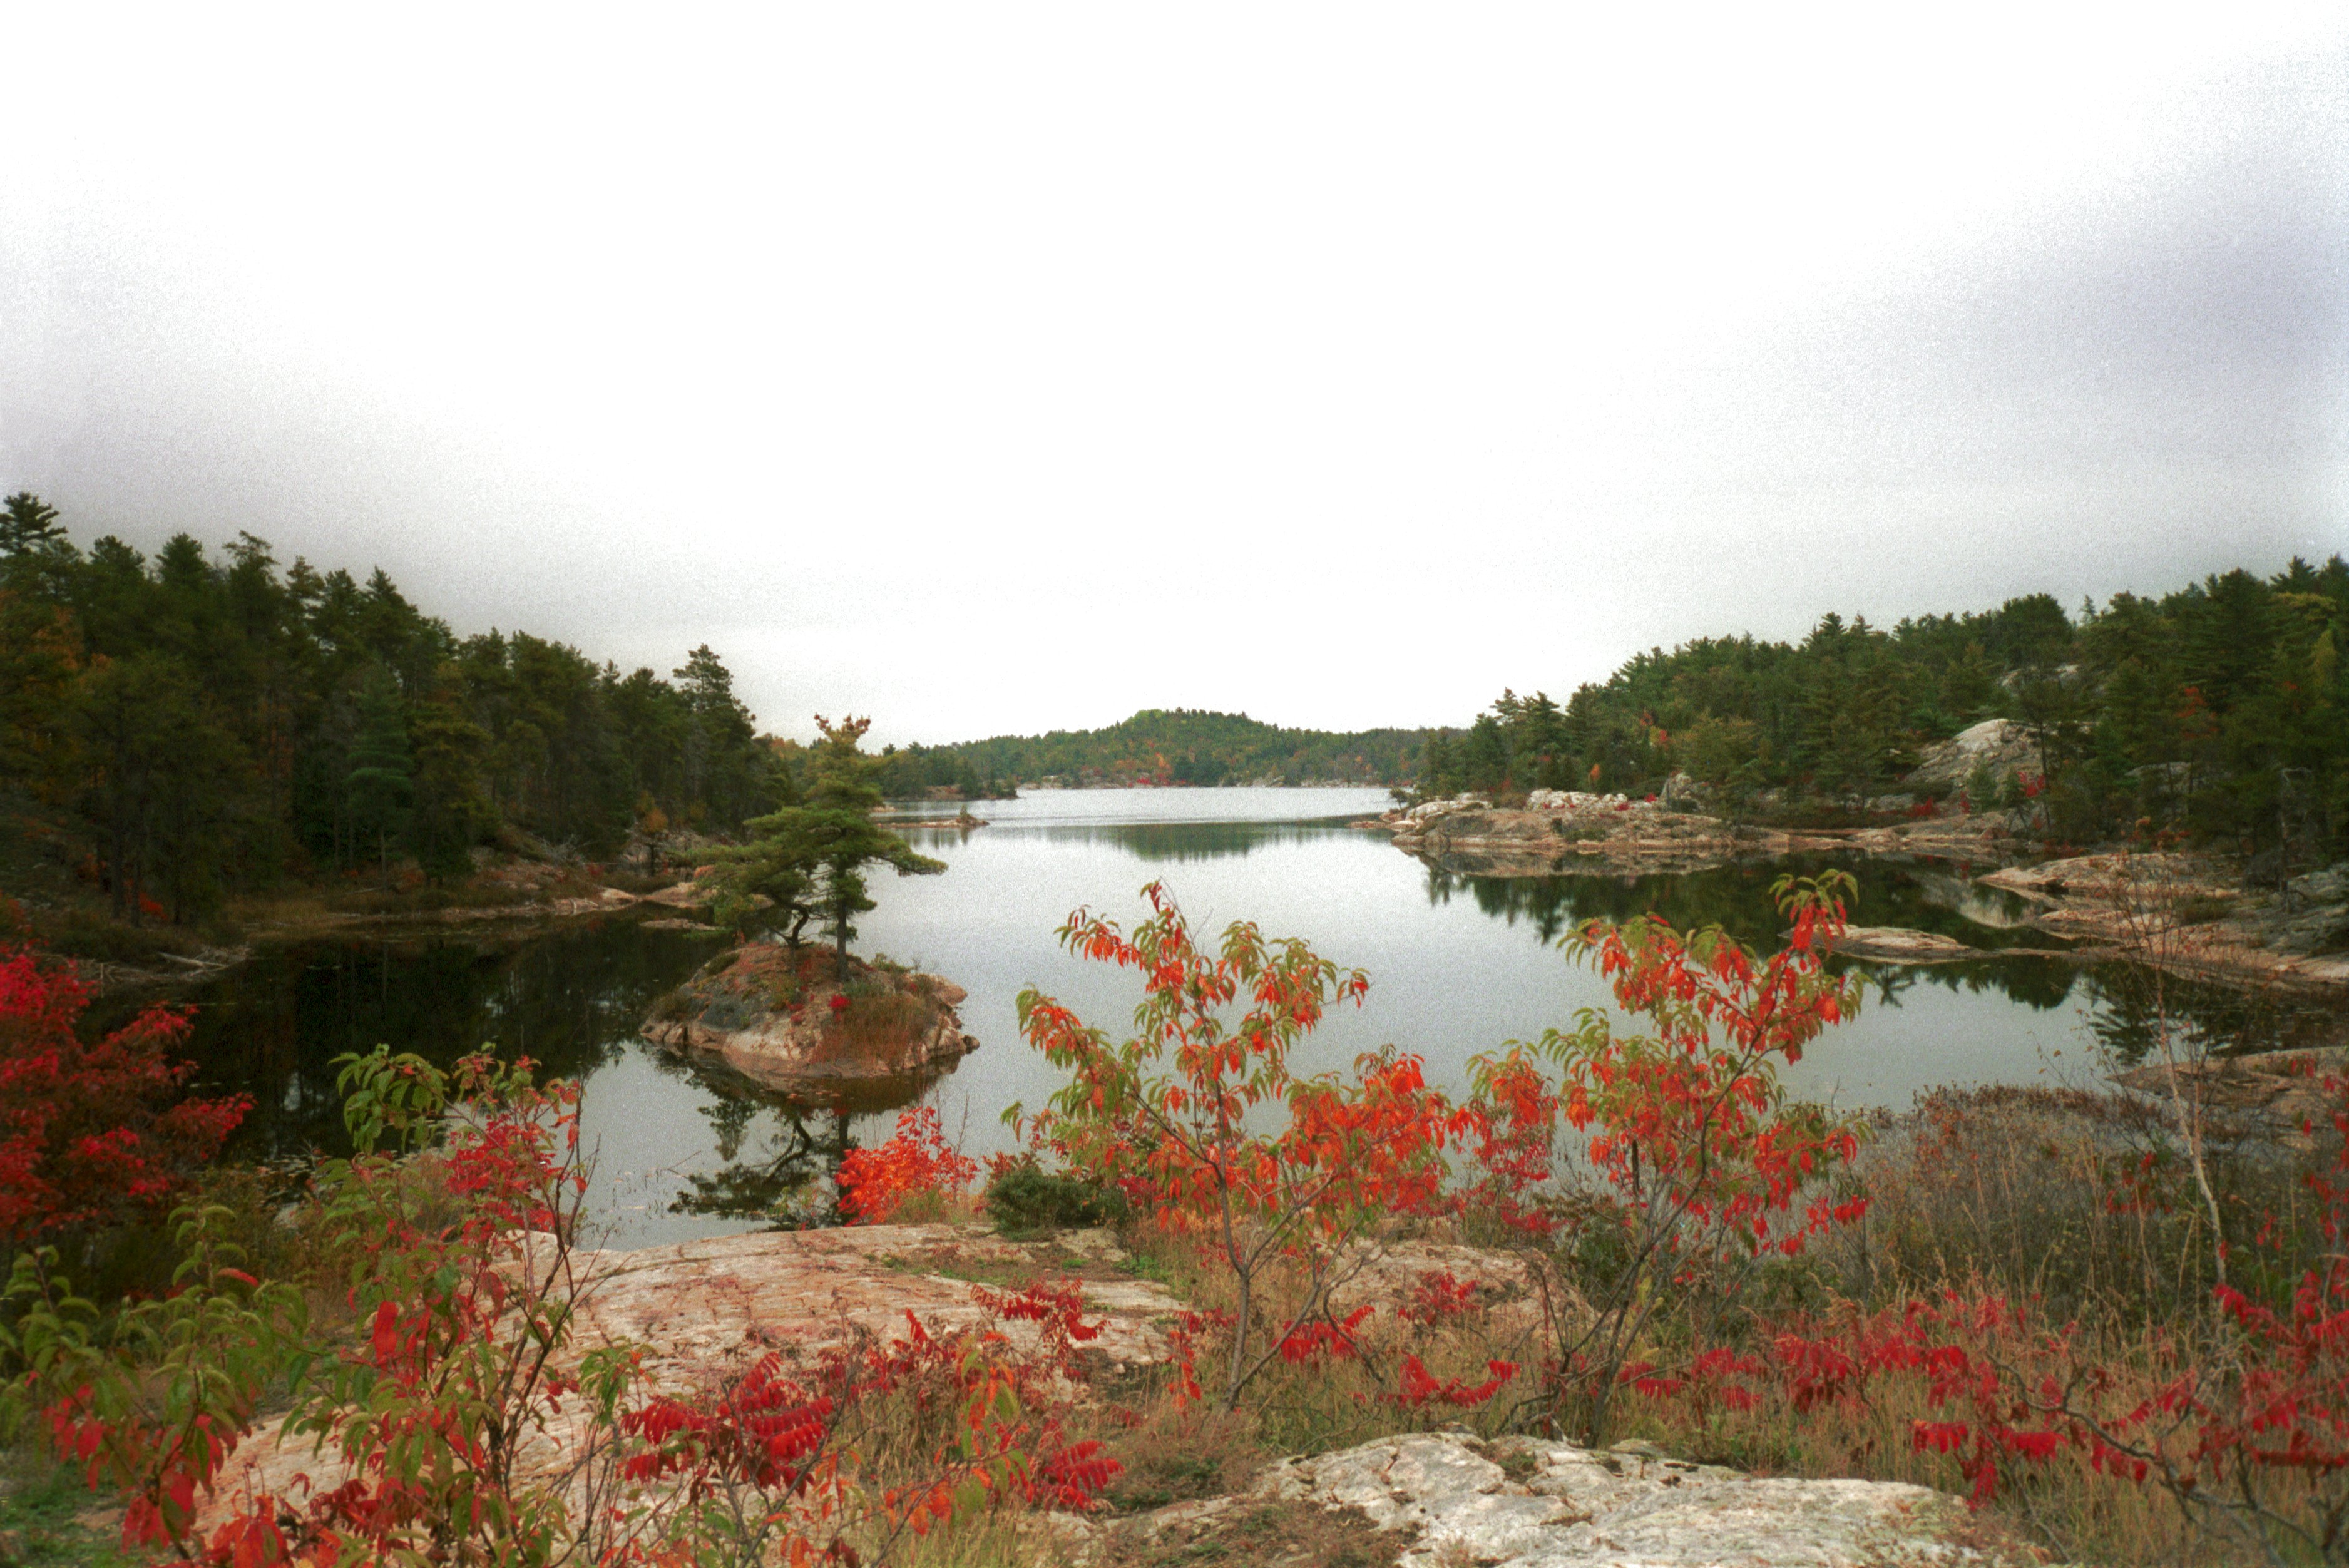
788, 1020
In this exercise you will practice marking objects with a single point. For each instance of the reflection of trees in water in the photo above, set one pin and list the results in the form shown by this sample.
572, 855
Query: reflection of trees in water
569, 1000
1737, 898
2133, 1003
1180, 841
2041, 983
2125, 1012
806, 1148
786, 1173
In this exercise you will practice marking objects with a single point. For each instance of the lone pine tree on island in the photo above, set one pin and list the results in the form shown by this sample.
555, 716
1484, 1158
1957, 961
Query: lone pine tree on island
807, 859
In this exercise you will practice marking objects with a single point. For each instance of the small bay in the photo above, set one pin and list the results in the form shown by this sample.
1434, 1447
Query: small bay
1458, 965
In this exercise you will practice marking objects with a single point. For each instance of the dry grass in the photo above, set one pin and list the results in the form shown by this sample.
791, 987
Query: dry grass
1254, 1533
880, 1021
2034, 1192
1998, 1192
2061, 1506
2078, 1208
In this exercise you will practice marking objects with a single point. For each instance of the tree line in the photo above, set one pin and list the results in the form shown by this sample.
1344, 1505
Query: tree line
179, 729
2219, 709
1159, 746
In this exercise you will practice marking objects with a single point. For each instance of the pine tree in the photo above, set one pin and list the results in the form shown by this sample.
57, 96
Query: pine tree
808, 859
380, 784
840, 799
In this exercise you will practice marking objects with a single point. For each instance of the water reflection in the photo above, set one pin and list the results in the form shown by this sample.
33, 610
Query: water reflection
1737, 898
785, 1172
777, 1152
1181, 841
2129, 1005
570, 998
2138, 1005
1459, 964
2042, 984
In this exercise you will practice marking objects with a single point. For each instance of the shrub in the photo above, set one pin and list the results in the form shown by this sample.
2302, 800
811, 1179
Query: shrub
1705, 1173
1196, 1145
1024, 1197
878, 1185
461, 1367
93, 1133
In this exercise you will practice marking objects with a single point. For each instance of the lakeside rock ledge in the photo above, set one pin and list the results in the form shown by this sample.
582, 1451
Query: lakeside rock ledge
1445, 1498
1565, 831
698, 1311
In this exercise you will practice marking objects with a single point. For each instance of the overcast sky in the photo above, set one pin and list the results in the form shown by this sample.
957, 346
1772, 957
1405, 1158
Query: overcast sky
1006, 367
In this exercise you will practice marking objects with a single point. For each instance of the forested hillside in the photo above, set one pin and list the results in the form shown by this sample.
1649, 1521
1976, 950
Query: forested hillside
2219, 707
1162, 746
179, 729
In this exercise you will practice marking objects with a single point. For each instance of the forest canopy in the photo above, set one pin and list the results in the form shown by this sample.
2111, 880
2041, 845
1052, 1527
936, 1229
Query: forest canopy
2219, 707
186, 727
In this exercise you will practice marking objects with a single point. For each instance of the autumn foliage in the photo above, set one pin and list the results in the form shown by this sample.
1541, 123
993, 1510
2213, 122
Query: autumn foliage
99, 1133
461, 1360
1200, 1120
875, 1183
1678, 1216
1699, 1167
764, 1467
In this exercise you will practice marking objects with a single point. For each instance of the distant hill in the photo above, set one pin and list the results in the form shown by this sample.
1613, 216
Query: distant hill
1162, 746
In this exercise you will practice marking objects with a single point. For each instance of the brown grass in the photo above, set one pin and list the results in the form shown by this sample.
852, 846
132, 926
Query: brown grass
2002, 1192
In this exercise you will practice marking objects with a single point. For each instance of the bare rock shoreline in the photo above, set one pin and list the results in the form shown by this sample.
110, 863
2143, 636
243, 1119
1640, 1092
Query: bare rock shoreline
697, 1311
1435, 1499
1560, 832
2191, 915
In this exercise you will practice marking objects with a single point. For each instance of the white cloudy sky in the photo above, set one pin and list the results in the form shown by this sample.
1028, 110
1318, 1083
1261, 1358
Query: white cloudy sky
1012, 367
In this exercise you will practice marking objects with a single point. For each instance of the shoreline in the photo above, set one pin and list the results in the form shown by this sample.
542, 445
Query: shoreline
2188, 915
165, 972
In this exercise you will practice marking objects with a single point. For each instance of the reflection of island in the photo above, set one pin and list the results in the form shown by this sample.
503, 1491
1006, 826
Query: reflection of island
961, 822
787, 1181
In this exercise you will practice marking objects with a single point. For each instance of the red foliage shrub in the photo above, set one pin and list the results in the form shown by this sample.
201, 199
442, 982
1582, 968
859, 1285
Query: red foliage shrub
775, 1448
1325, 1338
1200, 1145
875, 1183
1438, 1296
1703, 1166
93, 1133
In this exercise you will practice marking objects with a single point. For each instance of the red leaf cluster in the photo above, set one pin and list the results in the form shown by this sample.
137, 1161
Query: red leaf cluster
97, 1133
875, 1182
1420, 1386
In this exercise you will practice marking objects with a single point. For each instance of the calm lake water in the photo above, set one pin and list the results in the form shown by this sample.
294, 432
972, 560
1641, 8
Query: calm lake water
1457, 966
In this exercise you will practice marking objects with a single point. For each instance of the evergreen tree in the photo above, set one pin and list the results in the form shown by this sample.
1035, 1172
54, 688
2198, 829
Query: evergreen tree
841, 797
452, 805
27, 525
380, 782
808, 859
121, 709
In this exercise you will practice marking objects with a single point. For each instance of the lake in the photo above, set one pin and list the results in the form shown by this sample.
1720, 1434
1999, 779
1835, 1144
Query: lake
1457, 966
